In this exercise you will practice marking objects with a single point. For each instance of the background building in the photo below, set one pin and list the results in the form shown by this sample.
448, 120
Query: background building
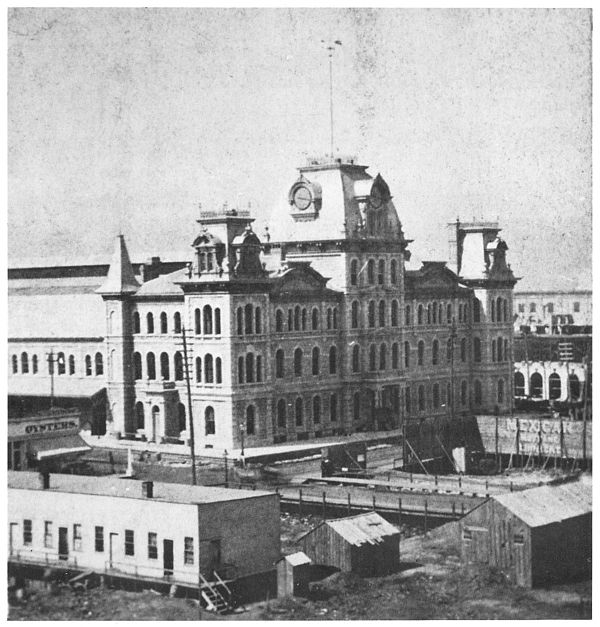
566, 312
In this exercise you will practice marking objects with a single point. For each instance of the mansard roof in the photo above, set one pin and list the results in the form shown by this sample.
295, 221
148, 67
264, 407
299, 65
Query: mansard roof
298, 278
433, 277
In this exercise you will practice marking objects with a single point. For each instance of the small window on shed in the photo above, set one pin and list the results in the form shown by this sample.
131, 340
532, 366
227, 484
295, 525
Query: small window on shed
519, 538
467, 534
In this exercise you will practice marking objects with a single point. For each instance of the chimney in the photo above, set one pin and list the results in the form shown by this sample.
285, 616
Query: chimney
148, 489
44, 480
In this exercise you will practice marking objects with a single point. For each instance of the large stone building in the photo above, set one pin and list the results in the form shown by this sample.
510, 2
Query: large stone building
313, 327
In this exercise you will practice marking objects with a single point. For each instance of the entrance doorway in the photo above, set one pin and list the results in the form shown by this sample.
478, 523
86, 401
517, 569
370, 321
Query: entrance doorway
167, 558
63, 543
210, 556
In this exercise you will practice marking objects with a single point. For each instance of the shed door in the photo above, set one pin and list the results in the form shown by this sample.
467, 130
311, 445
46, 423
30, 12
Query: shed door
63, 543
477, 543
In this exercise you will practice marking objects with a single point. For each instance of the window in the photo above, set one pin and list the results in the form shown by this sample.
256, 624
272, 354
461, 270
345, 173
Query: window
207, 320
257, 320
371, 271
315, 319
449, 313
463, 349
198, 369
298, 362
71, 364
281, 413
476, 349
333, 408
354, 272
181, 422
467, 534
27, 532
381, 272
60, 361
290, 321
136, 321
355, 314
493, 350
198, 324
500, 391
382, 357
531, 307
299, 411
421, 398
372, 358
518, 538
24, 363
164, 367
499, 345
477, 392
436, 395
152, 546
188, 550
521, 308
406, 355
463, 393
209, 421
407, 403
279, 321
208, 369
476, 310
332, 360
449, 349
77, 540
279, 368
139, 415
550, 308
394, 313
420, 352
329, 318
34, 364
434, 308
519, 384
371, 314
240, 321
316, 410
250, 368
219, 370
335, 318
297, 319
178, 366
129, 543
393, 272
356, 406
137, 366
250, 420
315, 361
435, 352
395, 356
47, 534
99, 365
99, 539
356, 358
381, 313
248, 319
304, 319
149, 323
429, 313
407, 316
177, 322
554, 386
420, 314
576, 307
164, 325
88, 366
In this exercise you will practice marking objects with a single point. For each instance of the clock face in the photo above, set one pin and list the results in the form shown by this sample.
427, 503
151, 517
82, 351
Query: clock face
302, 198
375, 199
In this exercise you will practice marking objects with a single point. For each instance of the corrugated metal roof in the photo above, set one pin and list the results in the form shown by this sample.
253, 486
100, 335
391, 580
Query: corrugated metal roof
549, 504
368, 528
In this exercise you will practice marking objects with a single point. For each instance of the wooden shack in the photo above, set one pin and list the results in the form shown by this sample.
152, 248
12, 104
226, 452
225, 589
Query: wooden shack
536, 536
365, 544
293, 575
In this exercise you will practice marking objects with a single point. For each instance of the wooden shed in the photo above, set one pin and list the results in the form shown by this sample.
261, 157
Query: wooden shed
365, 544
536, 536
293, 574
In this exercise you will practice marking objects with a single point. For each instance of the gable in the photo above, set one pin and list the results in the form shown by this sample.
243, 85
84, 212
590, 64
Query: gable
301, 279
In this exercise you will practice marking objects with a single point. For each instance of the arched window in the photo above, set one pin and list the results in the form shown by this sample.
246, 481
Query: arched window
316, 410
149, 323
463, 349
466, 312
435, 395
428, 313
140, 421
297, 319
178, 366
279, 321
250, 420
60, 361
449, 313
198, 369
478, 392
24, 363
499, 345
463, 392
420, 352
335, 318
136, 321
150, 366
250, 368
505, 310
304, 318
406, 354
435, 352
217, 321
298, 362
505, 350
209, 376
177, 322
381, 313
197, 321
500, 391
434, 312
257, 367
88, 366
164, 367
355, 314
407, 403
315, 360
499, 309
329, 318
315, 319
574, 387
332, 360
34, 364
281, 414
356, 358
290, 321
240, 321
299, 412
371, 313
554, 386
449, 349
476, 310
248, 319
372, 357
209, 421
420, 314
493, 350
137, 366
371, 271
382, 357
279, 367
476, 349
354, 272
519, 382
181, 422
407, 316
381, 272
219, 370
98, 360
421, 398
164, 325
356, 406
257, 321
207, 320
395, 356
393, 272
333, 408
493, 312
394, 313
241, 369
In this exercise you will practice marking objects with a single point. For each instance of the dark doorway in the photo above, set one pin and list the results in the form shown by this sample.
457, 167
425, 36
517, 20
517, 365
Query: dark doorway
167, 557
63, 543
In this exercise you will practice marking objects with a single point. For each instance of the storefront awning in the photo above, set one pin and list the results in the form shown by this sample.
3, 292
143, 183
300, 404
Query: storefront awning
58, 446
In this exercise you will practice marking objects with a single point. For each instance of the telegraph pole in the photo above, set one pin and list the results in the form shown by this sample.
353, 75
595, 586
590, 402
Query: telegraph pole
189, 397
51, 361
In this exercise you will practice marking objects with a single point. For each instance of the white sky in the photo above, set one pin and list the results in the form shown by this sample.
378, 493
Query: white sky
126, 119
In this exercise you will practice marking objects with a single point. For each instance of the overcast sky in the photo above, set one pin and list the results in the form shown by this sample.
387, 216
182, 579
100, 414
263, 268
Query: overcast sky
126, 119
